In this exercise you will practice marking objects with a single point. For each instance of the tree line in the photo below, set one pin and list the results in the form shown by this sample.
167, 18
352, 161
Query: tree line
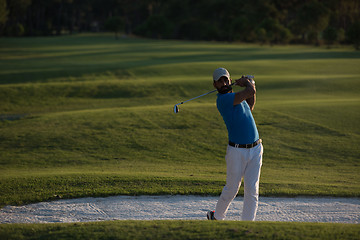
264, 21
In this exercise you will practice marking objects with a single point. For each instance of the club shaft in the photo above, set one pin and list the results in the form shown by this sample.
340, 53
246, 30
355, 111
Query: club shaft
248, 76
176, 108
200, 96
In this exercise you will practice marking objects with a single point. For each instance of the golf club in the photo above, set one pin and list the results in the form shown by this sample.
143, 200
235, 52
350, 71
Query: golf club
176, 107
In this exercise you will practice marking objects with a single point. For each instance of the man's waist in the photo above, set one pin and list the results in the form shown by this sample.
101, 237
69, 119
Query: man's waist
250, 145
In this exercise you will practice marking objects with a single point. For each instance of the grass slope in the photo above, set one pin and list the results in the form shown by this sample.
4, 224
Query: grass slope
86, 115
180, 230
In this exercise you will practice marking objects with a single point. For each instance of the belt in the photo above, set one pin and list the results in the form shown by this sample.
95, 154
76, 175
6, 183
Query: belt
245, 145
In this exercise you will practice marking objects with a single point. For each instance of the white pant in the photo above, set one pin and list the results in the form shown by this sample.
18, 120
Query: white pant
241, 163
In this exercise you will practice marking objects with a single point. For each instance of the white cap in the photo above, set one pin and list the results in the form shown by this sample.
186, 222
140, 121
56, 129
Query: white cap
220, 72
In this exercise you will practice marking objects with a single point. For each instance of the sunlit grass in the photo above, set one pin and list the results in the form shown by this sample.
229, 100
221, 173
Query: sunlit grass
180, 230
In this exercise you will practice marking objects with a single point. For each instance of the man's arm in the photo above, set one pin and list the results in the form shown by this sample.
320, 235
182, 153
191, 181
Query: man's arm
251, 102
247, 94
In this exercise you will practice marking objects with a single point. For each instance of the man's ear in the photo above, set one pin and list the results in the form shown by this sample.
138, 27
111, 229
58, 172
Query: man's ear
214, 84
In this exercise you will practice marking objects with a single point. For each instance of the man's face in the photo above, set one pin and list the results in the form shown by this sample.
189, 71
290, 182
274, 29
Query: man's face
223, 85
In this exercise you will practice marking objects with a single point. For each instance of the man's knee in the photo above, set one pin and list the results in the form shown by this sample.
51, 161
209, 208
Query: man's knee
229, 194
251, 190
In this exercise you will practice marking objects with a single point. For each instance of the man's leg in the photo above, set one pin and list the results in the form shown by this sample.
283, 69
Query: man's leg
251, 184
234, 172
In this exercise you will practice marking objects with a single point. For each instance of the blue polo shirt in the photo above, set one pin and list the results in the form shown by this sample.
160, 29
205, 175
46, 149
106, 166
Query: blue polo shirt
238, 119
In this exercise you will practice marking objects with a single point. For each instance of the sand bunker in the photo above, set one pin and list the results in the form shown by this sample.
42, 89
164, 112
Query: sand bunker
341, 210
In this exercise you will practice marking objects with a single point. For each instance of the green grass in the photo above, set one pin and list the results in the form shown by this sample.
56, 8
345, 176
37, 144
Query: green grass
180, 230
86, 115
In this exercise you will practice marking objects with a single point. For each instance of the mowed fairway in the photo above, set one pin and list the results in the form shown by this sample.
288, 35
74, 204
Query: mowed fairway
87, 115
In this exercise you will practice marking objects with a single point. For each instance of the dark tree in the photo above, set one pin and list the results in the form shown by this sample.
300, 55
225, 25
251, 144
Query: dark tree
354, 34
115, 24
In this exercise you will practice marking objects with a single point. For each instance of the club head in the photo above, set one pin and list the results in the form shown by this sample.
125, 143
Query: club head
176, 109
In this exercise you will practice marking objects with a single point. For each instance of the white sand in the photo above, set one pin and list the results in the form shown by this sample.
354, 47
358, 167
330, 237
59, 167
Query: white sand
343, 210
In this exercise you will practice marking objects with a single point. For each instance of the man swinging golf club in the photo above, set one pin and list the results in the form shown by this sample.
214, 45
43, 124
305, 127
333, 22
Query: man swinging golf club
245, 150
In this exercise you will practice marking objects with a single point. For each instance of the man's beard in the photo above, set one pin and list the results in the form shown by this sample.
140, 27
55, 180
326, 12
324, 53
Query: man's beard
225, 89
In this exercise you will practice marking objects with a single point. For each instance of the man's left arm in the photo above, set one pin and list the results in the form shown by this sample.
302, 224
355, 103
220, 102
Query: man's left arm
251, 101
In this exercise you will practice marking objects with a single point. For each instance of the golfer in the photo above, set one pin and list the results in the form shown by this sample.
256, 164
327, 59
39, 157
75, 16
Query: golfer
245, 150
